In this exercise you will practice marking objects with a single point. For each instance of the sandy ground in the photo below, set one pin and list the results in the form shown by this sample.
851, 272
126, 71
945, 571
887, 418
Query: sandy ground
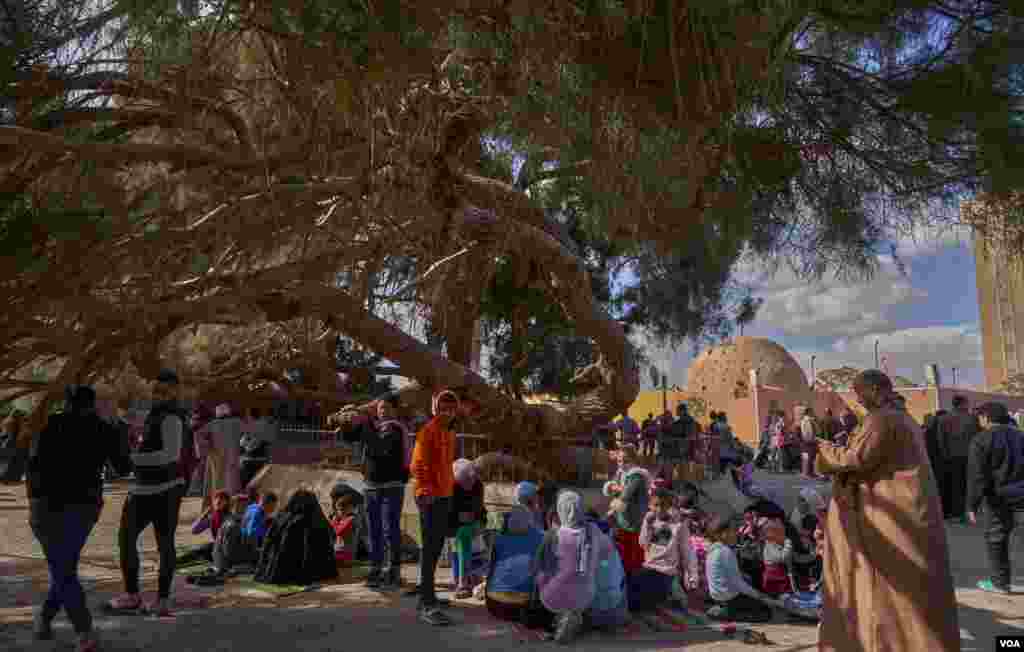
347, 617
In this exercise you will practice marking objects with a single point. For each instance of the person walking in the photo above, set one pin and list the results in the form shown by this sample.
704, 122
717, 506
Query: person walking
65, 494
432, 460
955, 433
162, 463
995, 479
887, 577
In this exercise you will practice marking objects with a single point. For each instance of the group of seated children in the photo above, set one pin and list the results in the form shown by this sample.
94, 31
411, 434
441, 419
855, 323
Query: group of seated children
575, 575
238, 525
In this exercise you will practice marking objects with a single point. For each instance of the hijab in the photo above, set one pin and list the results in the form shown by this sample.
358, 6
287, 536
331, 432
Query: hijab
465, 473
572, 519
570, 510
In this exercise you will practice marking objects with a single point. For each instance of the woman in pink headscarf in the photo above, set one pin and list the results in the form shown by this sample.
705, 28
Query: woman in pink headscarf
467, 517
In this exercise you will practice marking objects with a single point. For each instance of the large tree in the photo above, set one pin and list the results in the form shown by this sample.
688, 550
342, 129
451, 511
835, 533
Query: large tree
329, 162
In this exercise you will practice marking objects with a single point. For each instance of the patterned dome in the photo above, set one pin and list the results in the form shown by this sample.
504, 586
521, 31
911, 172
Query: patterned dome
724, 370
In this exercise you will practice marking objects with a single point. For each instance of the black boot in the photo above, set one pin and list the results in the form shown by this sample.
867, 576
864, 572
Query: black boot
393, 578
374, 580
42, 624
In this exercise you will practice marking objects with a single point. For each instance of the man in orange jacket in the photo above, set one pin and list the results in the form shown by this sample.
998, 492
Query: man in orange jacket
431, 469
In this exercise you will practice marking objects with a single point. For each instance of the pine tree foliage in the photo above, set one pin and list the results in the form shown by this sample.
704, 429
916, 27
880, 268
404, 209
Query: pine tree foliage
328, 161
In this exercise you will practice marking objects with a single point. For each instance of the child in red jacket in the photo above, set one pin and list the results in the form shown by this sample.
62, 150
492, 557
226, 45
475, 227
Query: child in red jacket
343, 522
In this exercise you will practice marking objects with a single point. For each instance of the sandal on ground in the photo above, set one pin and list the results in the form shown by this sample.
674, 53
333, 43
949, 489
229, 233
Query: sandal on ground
88, 643
989, 587
125, 602
434, 616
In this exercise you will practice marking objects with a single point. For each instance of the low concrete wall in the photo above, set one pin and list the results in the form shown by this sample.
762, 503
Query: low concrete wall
286, 479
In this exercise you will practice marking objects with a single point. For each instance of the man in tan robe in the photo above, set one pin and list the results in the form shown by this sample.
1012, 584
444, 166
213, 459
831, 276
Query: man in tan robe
888, 585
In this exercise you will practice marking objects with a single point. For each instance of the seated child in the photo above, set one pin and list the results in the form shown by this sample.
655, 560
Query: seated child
509, 584
343, 519
211, 519
807, 603
257, 519
528, 499
733, 597
467, 518
777, 553
231, 548
665, 539
808, 503
630, 496
567, 569
807, 563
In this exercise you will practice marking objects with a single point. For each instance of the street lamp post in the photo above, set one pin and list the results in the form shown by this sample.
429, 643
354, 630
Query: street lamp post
812, 371
954, 376
876, 354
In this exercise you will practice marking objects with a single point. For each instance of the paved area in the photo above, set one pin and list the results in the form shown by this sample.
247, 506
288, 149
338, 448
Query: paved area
348, 617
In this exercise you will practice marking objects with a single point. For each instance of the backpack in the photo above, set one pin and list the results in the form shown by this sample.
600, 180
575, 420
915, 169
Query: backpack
299, 547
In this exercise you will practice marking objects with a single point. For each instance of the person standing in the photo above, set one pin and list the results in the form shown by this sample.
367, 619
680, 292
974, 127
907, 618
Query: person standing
674, 440
254, 446
995, 478
162, 463
629, 429
65, 494
808, 435
220, 442
13, 456
385, 474
649, 432
888, 583
432, 460
955, 433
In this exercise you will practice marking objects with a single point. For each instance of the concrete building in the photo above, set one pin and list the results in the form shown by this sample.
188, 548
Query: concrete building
1000, 281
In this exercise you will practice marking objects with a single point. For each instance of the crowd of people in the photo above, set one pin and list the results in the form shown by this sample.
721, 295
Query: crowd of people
871, 563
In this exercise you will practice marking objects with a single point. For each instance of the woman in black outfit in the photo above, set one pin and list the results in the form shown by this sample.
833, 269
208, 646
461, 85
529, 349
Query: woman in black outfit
65, 491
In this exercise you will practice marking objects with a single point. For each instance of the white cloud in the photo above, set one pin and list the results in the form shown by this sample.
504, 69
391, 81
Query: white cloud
908, 351
930, 239
830, 307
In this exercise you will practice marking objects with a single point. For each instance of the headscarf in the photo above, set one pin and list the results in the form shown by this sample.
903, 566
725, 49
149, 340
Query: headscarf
465, 473
813, 499
570, 510
571, 517
525, 491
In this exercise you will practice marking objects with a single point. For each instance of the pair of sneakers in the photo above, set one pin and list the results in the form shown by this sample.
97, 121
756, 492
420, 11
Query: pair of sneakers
42, 630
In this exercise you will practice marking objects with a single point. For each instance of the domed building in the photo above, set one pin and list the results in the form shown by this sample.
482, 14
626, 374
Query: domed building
723, 372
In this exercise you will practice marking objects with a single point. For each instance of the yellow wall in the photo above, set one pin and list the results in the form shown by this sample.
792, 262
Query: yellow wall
652, 401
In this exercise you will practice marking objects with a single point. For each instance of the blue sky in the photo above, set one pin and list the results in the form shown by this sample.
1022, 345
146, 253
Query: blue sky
928, 315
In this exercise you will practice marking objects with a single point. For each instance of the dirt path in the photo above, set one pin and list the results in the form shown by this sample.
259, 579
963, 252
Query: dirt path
347, 617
